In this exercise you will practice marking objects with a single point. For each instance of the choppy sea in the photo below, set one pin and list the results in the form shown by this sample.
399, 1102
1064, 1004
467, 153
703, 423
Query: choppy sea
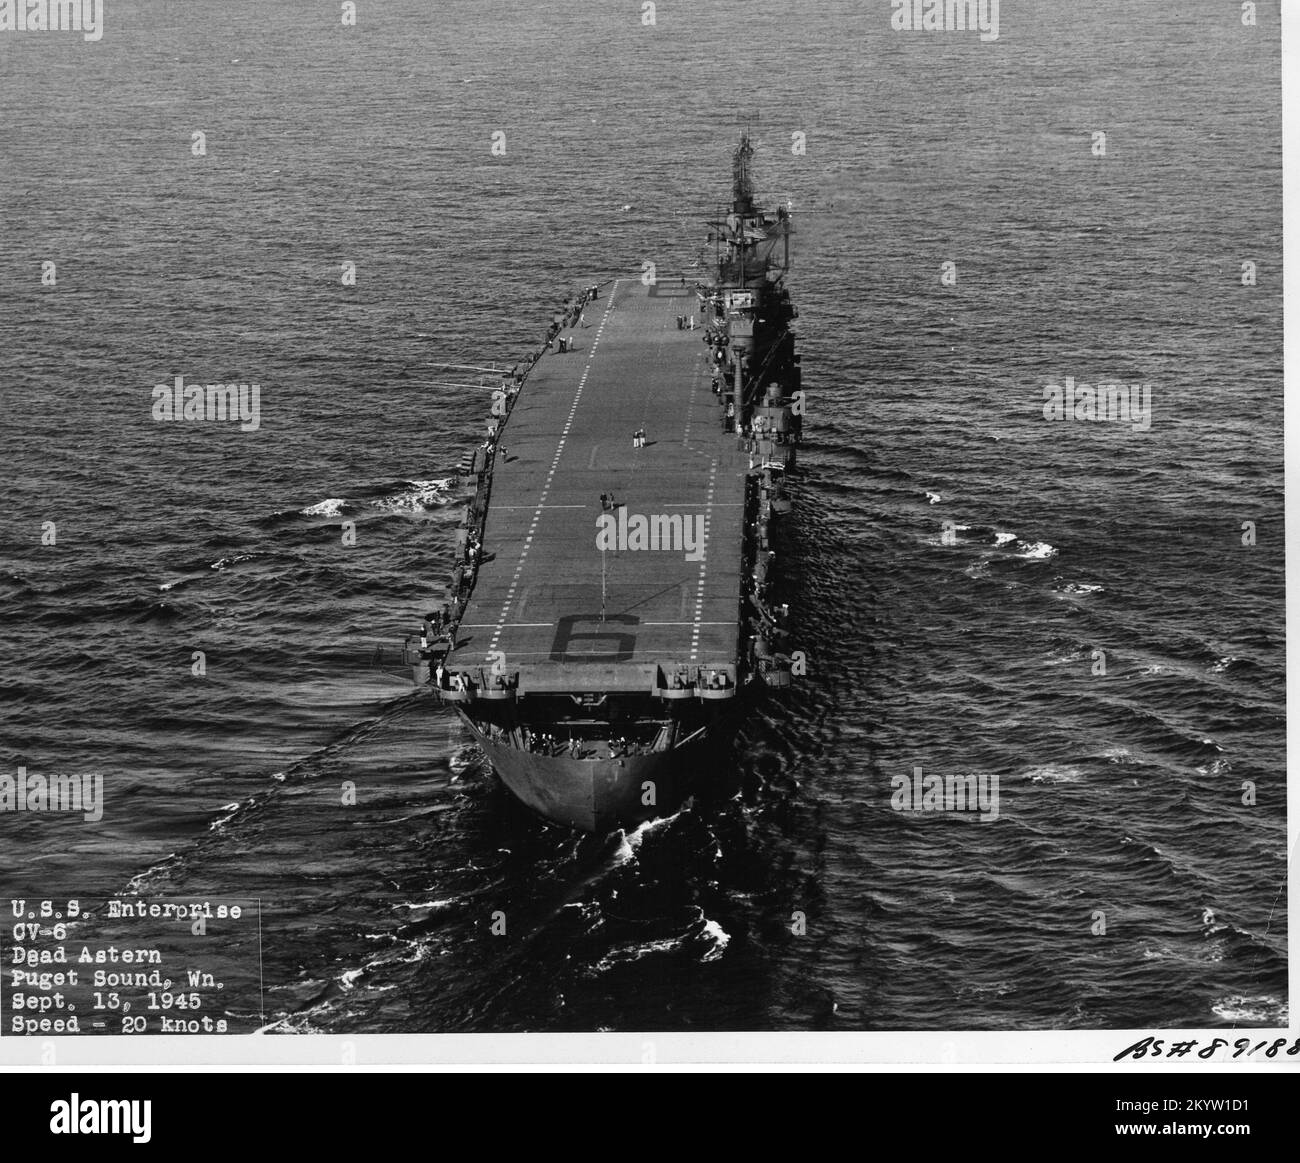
964, 569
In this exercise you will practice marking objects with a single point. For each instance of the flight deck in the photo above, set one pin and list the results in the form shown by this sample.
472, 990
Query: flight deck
563, 612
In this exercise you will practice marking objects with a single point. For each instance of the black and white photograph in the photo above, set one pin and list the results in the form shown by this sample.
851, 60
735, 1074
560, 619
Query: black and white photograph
747, 531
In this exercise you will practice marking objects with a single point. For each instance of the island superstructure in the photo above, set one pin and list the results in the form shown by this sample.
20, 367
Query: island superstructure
610, 611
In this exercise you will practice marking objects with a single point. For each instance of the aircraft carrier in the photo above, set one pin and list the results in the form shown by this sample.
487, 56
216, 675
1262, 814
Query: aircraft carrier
611, 608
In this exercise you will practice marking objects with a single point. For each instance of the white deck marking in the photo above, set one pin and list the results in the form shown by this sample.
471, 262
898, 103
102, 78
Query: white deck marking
704, 563
550, 476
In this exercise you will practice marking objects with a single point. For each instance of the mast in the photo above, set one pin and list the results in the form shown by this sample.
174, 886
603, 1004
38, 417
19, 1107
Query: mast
742, 186
742, 193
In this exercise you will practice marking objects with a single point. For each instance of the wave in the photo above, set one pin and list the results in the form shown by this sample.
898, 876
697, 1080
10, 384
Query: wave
416, 497
15, 583
703, 941
642, 832
1117, 754
1053, 773
996, 538
231, 811
419, 496
219, 566
629, 843
1036, 550
1068, 656
717, 939
624, 852
631, 953
330, 507
1264, 1009
149, 611
428, 906
1218, 767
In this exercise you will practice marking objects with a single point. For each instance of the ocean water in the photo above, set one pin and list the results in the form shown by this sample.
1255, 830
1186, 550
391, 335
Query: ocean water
956, 561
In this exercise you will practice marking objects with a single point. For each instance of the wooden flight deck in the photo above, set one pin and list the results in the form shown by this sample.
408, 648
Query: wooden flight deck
537, 598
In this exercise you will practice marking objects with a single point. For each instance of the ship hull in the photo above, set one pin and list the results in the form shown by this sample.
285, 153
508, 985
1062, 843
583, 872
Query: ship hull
599, 795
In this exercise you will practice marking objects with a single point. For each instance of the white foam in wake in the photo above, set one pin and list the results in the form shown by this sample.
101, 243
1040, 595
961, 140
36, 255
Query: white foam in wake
1266, 1008
625, 954
625, 850
720, 938
330, 507
1053, 773
629, 843
421, 495
1038, 551
230, 810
